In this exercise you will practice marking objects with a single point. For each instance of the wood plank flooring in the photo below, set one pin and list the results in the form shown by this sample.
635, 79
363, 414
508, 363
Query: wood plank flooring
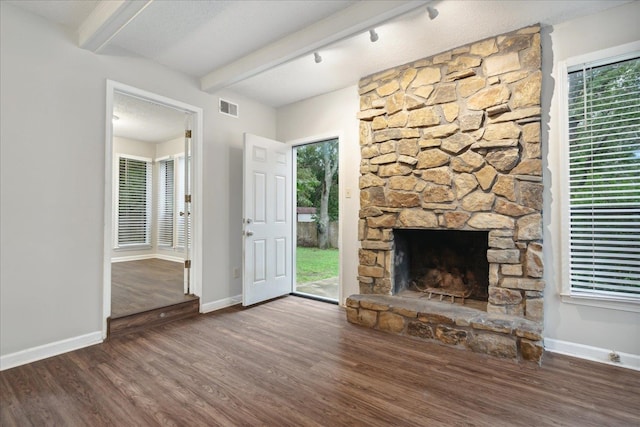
298, 362
138, 286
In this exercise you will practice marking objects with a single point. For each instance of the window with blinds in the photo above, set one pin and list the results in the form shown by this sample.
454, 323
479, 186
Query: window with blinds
166, 195
171, 204
604, 178
134, 202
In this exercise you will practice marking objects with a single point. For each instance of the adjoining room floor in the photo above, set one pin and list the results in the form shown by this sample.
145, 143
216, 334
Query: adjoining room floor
298, 362
138, 286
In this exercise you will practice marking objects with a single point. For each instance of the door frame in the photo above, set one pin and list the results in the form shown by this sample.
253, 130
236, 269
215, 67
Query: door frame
196, 189
299, 142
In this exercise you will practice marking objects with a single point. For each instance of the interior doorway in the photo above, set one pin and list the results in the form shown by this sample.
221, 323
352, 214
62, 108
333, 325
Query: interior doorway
316, 258
152, 189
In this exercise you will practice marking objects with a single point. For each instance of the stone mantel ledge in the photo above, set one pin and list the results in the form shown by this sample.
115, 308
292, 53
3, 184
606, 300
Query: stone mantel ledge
498, 335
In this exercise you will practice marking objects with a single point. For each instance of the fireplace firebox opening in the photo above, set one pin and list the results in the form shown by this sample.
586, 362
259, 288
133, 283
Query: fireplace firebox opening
448, 262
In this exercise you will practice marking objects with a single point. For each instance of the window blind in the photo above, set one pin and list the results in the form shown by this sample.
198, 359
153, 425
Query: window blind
604, 178
134, 202
166, 194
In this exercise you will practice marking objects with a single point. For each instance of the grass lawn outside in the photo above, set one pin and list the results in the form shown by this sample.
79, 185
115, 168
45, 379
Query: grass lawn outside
316, 264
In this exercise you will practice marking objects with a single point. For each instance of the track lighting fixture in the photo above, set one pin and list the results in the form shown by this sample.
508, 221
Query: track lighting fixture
373, 36
317, 57
433, 12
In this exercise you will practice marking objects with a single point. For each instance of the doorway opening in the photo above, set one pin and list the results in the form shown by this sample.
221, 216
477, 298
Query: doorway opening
152, 174
316, 258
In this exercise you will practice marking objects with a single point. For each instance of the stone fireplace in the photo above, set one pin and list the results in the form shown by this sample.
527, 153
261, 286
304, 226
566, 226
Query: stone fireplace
451, 198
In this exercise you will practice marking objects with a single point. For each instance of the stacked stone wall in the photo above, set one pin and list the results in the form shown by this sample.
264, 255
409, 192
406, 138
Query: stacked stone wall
453, 142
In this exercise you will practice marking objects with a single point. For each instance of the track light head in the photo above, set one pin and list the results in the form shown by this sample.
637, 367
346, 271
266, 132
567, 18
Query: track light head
373, 36
433, 12
317, 57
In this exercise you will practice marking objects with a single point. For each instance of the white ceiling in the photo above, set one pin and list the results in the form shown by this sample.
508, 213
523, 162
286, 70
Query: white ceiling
264, 49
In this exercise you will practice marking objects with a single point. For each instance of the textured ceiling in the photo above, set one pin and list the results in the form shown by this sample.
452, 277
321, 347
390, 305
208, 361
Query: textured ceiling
146, 121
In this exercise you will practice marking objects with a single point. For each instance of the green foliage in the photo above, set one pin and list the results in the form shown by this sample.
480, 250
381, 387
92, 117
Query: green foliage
306, 186
311, 171
316, 264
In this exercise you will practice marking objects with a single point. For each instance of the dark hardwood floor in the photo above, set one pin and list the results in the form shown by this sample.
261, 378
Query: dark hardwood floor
138, 286
298, 362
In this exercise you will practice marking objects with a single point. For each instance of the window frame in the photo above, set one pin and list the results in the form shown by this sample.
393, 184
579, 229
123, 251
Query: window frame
150, 200
601, 57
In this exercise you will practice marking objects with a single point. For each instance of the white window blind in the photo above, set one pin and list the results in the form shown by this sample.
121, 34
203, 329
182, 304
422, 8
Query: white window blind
134, 202
166, 195
604, 178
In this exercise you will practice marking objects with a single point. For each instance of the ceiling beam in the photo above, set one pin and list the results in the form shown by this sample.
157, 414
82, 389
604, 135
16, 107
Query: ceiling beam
107, 20
356, 19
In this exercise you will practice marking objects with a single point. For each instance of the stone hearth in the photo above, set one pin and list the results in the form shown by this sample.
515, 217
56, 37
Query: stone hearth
452, 142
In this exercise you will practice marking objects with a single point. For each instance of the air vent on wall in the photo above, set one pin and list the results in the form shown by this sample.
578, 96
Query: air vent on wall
228, 108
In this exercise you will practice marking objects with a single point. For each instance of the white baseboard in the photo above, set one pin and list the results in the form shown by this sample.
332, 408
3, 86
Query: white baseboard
148, 256
169, 258
132, 258
627, 360
48, 350
220, 304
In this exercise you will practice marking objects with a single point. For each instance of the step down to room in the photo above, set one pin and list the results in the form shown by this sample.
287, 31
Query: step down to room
139, 321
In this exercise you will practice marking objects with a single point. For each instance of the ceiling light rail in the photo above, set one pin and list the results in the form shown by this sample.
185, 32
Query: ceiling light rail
350, 22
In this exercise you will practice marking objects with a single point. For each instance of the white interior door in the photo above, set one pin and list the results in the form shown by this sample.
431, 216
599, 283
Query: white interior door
267, 220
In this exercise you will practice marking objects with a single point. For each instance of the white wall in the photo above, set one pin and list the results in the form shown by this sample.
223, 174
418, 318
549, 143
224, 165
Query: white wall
172, 147
133, 147
52, 178
322, 117
564, 322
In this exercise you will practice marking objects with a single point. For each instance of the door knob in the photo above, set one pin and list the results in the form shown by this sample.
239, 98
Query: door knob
249, 233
